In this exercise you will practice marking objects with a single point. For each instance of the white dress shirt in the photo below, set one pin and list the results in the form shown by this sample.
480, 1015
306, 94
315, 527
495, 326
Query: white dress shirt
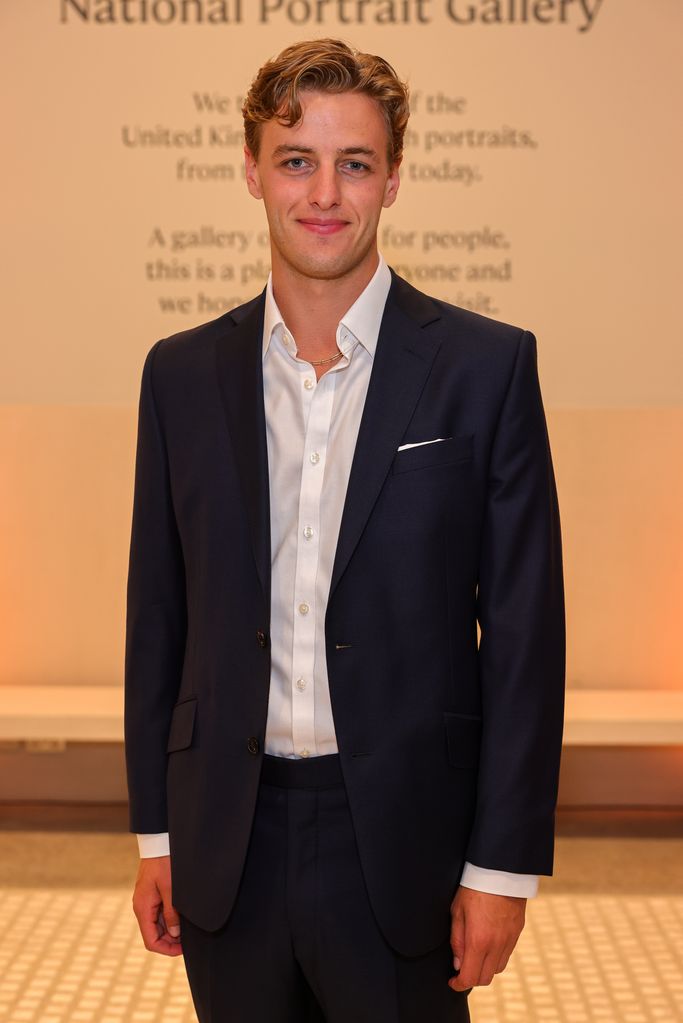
311, 428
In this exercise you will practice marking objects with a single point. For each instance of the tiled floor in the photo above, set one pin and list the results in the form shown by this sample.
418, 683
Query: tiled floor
75, 956
614, 959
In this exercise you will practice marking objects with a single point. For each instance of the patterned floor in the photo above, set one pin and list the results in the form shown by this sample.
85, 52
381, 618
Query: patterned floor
76, 957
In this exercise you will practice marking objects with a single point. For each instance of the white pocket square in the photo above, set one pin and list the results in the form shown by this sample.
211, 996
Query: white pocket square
419, 443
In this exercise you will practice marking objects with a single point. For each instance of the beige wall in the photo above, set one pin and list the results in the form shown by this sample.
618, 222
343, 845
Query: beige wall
65, 523
593, 224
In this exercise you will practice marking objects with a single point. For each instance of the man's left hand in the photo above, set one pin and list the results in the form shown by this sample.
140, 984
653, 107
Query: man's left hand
484, 931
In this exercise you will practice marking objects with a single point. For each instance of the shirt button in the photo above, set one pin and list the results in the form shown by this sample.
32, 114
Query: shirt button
308, 532
304, 753
261, 638
315, 457
253, 744
304, 609
301, 684
308, 384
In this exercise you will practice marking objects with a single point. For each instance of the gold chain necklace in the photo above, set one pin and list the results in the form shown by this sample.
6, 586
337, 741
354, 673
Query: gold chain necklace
321, 362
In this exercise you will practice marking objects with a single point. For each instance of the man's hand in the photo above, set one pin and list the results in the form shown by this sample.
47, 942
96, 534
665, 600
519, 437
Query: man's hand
158, 921
484, 931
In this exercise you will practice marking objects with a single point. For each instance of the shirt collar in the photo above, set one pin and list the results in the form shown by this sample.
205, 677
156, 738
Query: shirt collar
362, 319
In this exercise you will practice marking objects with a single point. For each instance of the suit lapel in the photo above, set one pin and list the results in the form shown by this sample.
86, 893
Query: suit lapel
402, 362
240, 374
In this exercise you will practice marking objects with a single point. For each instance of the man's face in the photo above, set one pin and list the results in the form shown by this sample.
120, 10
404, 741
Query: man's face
324, 182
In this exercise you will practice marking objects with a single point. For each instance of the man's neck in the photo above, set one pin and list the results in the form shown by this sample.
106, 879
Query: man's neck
312, 308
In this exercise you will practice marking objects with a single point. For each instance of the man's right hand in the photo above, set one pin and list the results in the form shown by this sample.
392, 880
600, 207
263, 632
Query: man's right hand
158, 921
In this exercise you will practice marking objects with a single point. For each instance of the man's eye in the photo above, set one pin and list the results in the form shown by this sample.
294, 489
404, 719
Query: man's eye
295, 162
357, 165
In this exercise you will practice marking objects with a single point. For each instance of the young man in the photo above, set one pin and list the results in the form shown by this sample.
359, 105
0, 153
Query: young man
334, 483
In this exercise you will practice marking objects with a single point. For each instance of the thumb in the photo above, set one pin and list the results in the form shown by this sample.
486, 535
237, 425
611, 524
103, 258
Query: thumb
458, 939
171, 919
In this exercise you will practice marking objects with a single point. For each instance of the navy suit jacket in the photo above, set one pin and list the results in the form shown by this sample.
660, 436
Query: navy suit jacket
449, 747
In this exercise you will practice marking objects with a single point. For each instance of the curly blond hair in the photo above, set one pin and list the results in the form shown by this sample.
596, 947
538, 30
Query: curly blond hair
327, 65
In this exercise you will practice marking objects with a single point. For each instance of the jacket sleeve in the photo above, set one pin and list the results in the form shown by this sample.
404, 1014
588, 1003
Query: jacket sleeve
520, 608
156, 618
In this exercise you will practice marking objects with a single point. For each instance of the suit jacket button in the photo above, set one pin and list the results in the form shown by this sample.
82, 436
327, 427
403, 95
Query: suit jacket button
261, 638
253, 744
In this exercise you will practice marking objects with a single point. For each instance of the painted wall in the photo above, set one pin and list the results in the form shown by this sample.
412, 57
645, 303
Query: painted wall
540, 185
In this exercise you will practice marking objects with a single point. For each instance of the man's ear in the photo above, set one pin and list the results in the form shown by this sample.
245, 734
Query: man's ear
252, 174
391, 184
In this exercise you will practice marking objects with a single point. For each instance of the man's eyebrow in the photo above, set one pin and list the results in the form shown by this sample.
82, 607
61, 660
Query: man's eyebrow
284, 149
352, 150
281, 150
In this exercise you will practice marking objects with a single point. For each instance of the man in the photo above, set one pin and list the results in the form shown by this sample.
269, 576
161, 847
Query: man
334, 483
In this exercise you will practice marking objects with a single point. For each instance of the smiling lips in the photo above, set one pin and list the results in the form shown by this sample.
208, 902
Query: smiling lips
323, 226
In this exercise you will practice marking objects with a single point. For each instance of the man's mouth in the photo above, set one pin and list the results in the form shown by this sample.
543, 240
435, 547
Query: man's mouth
320, 226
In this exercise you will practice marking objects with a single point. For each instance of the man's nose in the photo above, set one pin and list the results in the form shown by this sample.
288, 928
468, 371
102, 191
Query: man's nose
324, 191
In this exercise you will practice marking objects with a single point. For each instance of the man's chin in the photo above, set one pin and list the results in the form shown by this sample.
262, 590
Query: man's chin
326, 273
326, 267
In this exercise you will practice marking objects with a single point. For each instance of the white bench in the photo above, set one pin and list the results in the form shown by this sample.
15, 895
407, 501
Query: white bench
594, 717
623, 717
61, 714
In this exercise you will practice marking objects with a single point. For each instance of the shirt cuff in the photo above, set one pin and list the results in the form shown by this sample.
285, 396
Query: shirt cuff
499, 882
154, 845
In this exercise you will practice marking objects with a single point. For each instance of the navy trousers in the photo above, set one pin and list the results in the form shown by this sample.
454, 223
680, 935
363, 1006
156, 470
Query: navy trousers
301, 944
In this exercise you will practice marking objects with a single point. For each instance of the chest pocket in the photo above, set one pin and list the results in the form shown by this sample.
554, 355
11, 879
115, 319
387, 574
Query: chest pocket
441, 452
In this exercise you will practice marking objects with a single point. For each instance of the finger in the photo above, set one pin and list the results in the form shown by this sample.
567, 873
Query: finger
470, 969
488, 970
166, 946
149, 927
158, 940
146, 901
504, 956
152, 927
476, 973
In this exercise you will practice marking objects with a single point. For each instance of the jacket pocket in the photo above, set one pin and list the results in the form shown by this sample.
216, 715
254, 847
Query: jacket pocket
443, 452
182, 725
463, 739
